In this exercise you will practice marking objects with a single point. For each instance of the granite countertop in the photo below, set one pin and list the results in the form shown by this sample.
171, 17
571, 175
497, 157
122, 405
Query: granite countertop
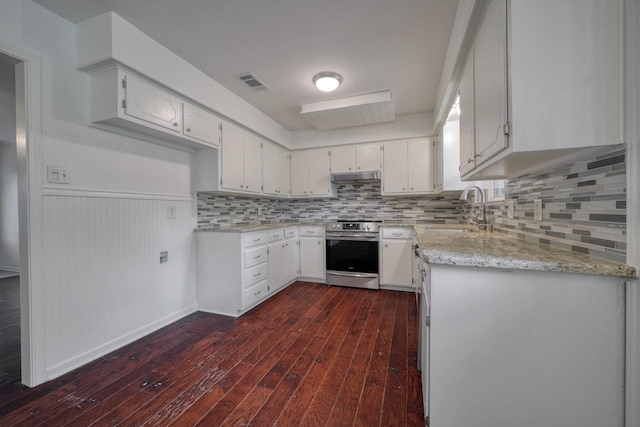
500, 250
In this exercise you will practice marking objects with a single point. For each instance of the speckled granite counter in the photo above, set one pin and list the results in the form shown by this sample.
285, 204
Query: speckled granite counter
499, 250
246, 228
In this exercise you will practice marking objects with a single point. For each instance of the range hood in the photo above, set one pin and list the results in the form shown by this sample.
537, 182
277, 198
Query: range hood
369, 176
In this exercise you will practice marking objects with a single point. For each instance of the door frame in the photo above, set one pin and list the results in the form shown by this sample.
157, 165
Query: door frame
29, 149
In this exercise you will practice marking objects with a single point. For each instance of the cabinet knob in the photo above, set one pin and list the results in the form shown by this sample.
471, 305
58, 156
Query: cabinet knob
319, 243
188, 129
349, 168
242, 186
412, 188
176, 124
386, 245
358, 167
469, 161
403, 189
305, 192
312, 192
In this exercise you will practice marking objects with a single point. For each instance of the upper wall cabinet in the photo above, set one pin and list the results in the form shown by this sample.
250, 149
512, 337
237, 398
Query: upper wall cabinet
408, 167
275, 170
310, 171
532, 98
121, 99
356, 158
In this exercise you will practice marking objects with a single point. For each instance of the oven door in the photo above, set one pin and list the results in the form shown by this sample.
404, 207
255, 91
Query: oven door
352, 259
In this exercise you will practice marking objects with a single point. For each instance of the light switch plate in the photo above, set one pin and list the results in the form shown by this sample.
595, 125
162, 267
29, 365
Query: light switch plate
537, 210
58, 175
512, 209
171, 212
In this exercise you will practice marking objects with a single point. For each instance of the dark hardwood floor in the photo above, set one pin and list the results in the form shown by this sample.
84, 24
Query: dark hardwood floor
9, 332
312, 355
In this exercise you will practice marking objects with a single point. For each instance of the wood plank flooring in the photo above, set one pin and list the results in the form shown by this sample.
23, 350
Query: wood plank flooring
313, 355
9, 331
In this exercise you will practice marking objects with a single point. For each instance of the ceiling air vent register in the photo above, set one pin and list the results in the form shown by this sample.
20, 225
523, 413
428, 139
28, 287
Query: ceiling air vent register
252, 81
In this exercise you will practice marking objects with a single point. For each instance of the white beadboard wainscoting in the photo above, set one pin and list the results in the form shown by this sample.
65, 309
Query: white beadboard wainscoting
104, 284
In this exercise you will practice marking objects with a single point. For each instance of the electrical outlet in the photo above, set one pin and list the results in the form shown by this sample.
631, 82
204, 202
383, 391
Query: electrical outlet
512, 209
171, 212
164, 257
259, 210
537, 210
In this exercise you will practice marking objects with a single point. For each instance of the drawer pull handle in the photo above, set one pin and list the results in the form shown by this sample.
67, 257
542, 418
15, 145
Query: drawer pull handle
257, 274
256, 240
256, 257
257, 293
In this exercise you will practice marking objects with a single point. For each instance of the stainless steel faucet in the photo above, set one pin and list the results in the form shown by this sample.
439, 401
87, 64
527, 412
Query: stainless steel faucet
481, 219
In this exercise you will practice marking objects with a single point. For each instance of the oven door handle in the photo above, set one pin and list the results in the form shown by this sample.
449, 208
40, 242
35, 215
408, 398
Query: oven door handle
351, 236
361, 275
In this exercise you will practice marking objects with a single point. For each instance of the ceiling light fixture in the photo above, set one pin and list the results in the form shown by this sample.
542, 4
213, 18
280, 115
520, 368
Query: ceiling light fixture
327, 81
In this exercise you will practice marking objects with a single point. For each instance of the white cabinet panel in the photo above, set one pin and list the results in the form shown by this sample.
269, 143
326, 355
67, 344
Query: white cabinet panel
151, 104
283, 263
255, 274
490, 71
255, 293
254, 239
252, 163
270, 169
395, 163
343, 159
319, 170
420, 160
467, 118
284, 175
255, 257
397, 263
368, 157
201, 125
312, 254
232, 157
299, 173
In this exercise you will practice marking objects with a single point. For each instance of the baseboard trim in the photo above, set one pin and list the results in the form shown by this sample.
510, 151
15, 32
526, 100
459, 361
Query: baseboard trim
91, 355
12, 269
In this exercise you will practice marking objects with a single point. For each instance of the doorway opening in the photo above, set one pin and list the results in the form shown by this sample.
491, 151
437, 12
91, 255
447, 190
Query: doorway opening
10, 295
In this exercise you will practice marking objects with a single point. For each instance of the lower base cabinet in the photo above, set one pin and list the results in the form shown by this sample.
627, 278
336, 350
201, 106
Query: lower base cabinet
525, 348
312, 253
396, 258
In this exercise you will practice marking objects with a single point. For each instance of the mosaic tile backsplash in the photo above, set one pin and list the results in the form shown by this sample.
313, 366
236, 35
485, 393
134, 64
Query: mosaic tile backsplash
354, 201
584, 207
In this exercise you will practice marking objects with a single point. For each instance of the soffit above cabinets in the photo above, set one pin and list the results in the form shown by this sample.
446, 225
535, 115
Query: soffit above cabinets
359, 110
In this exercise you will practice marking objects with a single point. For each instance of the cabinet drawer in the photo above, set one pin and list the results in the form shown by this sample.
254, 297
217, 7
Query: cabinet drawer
396, 233
290, 232
254, 239
311, 231
255, 293
255, 274
275, 235
255, 257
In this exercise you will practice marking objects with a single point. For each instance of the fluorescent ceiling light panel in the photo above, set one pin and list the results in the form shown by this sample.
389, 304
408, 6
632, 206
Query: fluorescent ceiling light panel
358, 110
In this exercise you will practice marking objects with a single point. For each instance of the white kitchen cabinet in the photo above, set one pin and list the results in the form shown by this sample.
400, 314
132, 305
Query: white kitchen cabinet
356, 158
312, 253
343, 159
368, 157
396, 258
275, 173
241, 160
283, 261
121, 99
408, 167
232, 271
527, 121
200, 125
525, 348
310, 171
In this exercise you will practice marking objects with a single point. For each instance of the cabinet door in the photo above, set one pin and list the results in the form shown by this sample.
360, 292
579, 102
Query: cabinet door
153, 105
284, 172
490, 72
276, 266
438, 165
420, 155
252, 163
368, 157
395, 164
299, 173
343, 159
467, 118
201, 125
319, 166
232, 157
312, 252
292, 257
270, 169
397, 264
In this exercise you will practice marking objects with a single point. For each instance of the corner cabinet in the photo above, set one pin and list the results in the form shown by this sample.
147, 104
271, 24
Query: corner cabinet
408, 167
310, 171
515, 120
121, 99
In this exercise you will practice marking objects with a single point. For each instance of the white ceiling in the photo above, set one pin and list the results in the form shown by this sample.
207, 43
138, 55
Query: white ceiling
376, 45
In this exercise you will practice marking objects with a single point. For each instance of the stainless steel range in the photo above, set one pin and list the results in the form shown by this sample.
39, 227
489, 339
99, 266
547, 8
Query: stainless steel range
352, 254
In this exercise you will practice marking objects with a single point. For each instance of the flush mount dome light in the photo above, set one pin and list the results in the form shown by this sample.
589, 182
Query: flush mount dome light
327, 81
